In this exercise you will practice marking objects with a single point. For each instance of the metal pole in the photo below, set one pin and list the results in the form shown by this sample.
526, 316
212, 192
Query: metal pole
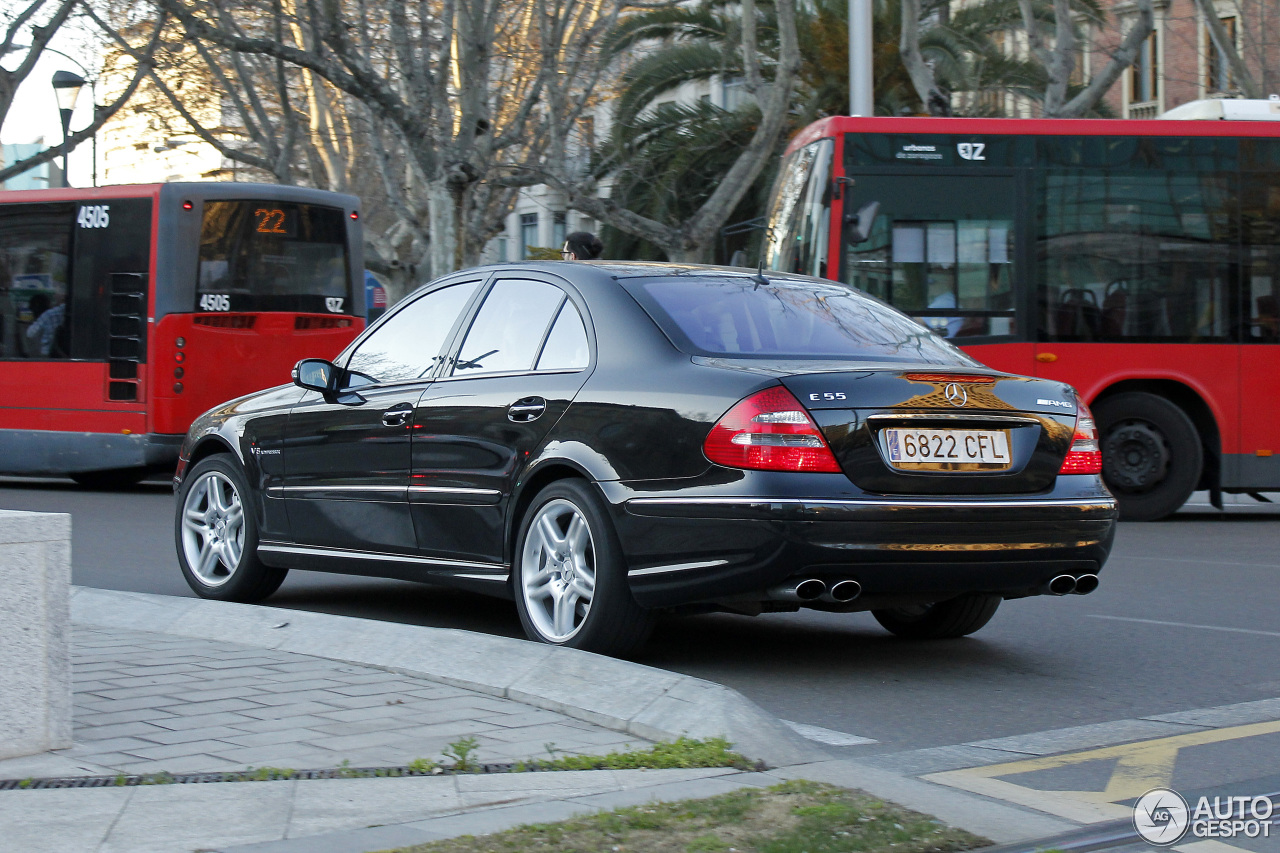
66, 130
861, 95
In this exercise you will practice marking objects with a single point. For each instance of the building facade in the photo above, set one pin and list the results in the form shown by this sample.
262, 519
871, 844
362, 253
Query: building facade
1180, 62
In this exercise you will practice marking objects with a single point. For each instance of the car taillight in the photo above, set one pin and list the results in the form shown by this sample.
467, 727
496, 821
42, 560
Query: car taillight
769, 431
1084, 457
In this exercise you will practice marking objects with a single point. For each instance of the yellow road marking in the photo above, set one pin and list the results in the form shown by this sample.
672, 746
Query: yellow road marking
1140, 766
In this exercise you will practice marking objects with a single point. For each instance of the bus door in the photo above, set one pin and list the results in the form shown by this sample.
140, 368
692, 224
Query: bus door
943, 247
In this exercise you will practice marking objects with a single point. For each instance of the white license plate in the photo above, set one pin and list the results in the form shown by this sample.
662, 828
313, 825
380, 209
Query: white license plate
946, 449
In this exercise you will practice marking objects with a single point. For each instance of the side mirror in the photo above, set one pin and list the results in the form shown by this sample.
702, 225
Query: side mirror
857, 226
314, 374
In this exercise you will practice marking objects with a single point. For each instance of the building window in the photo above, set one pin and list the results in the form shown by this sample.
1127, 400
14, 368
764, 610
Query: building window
558, 223
1218, 76
528, 233
1144, 73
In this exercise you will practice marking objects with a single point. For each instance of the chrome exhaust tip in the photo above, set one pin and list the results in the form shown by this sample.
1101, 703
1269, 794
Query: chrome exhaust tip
845, 590
1062, 585
1086, 584
810, 590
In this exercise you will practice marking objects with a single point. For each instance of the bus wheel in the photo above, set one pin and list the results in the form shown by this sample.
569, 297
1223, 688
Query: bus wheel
217, 535
114, 478
1151, 454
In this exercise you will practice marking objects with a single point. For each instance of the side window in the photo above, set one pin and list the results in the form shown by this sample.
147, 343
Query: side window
35, 272
509, 328
408, 344
566, 347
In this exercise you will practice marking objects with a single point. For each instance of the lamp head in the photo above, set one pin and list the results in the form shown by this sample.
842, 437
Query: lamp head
66, 88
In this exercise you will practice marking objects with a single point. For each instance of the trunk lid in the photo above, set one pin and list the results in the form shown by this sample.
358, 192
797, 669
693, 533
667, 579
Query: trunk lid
930, 430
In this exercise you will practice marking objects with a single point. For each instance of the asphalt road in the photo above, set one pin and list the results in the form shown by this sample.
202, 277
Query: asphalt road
1187, 617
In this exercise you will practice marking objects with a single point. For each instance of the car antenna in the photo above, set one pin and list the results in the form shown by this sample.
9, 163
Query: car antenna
759, 278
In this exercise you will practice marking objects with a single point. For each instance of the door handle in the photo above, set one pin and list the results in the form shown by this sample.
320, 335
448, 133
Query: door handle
397, 415
527, 409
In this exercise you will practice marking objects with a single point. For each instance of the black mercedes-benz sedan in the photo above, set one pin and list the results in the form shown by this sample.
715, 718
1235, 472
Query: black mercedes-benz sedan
602, 442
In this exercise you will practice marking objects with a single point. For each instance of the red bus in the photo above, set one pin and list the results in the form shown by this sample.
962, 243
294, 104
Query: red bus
126, 311
1138, 261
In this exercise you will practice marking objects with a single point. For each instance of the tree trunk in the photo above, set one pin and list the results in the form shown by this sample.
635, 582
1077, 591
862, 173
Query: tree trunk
442, 224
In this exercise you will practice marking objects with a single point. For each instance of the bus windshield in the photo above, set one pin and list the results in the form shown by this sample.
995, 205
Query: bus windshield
271, 256
738, 316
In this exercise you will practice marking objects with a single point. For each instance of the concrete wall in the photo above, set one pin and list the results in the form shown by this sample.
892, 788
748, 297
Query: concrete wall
35, 650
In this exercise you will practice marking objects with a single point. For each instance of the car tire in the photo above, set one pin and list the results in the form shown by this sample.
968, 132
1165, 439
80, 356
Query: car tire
570, 579
1151, 454
217, 535
943, 620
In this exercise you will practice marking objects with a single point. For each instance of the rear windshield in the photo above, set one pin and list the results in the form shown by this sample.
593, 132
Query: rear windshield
737, 316
272, 256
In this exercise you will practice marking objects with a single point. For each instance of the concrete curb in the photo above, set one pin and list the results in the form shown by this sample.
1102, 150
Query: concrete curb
626, 697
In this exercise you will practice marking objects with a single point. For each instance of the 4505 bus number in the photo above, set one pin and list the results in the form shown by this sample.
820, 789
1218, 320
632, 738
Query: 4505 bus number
215, 302
94, 216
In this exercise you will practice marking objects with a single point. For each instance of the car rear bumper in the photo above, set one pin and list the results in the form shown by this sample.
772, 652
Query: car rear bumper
699, 548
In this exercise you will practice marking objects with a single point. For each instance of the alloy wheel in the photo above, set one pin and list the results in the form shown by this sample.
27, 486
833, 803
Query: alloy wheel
213, 529
558, 570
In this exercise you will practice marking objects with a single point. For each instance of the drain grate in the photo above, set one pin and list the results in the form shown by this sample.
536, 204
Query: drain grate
263, 774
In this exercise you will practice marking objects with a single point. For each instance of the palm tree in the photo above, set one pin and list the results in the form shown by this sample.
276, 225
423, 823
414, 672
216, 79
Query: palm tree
665, 157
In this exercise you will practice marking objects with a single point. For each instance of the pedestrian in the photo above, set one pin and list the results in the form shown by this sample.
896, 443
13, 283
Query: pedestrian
581, 246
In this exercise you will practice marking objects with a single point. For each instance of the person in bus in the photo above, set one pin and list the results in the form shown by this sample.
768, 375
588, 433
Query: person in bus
44, 329
581, 246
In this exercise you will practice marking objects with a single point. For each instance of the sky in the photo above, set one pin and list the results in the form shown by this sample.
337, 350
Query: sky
34, 112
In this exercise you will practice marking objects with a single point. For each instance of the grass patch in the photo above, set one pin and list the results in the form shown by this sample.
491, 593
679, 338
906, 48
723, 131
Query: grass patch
795, 817
683, 752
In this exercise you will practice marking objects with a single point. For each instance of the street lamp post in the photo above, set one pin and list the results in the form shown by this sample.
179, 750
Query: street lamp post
66, 89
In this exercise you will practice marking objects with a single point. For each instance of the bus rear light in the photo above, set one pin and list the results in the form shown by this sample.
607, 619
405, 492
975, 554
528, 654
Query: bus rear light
354, 215
1084, 457
179, 357
177, 387
186, 205
769, 431
225, 321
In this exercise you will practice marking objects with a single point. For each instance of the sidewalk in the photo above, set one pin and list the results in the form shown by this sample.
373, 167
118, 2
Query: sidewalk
184, 686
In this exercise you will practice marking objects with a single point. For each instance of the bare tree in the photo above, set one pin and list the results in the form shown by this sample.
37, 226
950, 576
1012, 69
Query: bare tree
1055, 56
694, 238
457, 97
1241, 74
1059, 59
42, 19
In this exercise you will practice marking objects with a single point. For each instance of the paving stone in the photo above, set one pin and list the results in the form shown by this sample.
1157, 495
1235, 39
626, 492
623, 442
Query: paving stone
191, 709
202, 721
280, 711
163, 736
87, 718
383, 711
87, 734
152, 752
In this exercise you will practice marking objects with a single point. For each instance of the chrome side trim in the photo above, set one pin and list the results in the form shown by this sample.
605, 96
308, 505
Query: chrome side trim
502, 577
343, 488
678, 567
307, 551
441, 490
913, 503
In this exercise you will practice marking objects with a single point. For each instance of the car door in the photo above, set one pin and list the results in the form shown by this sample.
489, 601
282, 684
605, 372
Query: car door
518, 366
347, 454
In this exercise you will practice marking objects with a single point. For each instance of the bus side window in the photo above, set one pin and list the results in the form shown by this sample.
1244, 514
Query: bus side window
34, 278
